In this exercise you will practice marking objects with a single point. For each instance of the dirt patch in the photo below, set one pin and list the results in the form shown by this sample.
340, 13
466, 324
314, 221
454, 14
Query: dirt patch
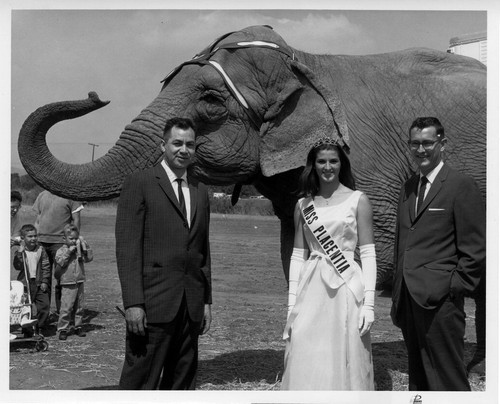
244, 349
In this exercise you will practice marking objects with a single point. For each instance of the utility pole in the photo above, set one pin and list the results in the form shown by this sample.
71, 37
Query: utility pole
93, 147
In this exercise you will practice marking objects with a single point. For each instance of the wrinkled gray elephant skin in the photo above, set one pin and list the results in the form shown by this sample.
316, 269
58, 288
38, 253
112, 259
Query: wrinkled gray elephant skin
260, 105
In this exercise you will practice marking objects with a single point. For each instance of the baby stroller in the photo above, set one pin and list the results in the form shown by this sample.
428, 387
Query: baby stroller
21, 315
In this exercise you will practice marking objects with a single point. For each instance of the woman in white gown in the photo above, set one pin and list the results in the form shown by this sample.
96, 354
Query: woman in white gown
331, 299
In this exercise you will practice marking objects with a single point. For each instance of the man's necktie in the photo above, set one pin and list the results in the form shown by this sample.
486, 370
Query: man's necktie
182, 202
421, 193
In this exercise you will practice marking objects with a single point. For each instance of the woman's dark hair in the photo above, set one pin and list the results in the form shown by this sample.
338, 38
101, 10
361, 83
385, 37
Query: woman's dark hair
309, 181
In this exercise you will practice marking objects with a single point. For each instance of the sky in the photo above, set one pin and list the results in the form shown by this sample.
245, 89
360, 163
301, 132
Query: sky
123, 55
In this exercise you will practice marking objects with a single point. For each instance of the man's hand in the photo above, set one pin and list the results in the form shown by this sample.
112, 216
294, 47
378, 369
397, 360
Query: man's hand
136, 320
207, 319
14, 241
44, 287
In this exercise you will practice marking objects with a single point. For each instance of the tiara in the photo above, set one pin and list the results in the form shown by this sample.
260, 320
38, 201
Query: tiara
326, 140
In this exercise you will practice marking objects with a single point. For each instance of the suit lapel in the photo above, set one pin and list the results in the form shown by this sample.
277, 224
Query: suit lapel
193, 196
166, 186
411, 196
434, 190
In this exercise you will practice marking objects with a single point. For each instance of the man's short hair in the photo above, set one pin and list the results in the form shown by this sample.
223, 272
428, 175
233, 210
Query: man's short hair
425, 122
26, 229
70, 228
181, 123
15, 196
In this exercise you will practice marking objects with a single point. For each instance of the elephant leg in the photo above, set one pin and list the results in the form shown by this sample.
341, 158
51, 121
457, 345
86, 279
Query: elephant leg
277, 189
287, 236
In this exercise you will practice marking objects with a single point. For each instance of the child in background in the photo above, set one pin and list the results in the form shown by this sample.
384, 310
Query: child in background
70, 273
33, 256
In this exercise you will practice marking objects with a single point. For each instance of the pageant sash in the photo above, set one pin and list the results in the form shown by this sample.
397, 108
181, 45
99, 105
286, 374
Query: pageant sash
348, 271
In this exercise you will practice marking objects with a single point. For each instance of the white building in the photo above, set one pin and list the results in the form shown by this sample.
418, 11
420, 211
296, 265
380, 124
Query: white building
473, 45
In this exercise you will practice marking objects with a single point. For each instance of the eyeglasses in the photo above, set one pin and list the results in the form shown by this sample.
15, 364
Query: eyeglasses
427, 145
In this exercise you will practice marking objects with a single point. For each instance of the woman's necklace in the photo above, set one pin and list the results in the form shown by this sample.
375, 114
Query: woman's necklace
330, 198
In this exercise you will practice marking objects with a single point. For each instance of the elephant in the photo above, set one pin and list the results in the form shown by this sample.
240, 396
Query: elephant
259, 104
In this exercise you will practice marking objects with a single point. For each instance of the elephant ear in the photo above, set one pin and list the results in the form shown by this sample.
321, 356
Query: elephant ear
305, 111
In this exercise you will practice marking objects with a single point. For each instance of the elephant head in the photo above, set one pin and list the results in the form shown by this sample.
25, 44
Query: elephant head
259, 104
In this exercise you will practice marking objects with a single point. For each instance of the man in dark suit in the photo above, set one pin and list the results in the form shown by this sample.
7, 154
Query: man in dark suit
163, 259
439, 256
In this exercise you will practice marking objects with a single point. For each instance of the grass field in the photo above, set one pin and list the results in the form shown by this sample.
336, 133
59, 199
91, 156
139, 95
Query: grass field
244, 349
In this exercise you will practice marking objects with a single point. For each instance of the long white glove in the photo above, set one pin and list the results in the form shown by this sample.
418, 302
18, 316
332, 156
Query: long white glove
369, 266
297, 260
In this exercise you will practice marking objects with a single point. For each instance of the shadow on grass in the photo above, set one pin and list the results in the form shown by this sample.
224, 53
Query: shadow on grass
89, 315
263, 365
256, 366
390, 362
266, 366
387, 357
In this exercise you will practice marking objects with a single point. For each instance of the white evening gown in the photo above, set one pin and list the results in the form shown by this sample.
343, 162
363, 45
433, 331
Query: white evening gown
324, 350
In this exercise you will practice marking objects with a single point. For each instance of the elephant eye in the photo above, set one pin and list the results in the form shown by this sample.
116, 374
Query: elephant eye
211, 107
211, 97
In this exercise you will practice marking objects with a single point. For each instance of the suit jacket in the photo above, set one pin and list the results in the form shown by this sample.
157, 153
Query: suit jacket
159, 257
441, 250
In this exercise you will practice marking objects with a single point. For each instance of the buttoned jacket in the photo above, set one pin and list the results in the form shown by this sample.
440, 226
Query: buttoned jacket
440, 250
160, 258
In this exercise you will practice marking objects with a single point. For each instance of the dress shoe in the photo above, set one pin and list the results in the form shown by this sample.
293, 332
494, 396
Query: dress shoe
477, 365
63, 335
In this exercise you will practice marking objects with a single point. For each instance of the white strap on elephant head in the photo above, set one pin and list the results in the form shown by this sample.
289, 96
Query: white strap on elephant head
228, 81
203, 58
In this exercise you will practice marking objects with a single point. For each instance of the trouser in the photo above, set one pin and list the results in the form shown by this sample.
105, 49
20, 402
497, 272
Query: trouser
51, 249
41, 301
435, 343
72, 299
170, 349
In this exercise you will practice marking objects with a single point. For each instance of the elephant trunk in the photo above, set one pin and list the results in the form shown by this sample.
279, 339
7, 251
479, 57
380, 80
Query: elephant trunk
102, 178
